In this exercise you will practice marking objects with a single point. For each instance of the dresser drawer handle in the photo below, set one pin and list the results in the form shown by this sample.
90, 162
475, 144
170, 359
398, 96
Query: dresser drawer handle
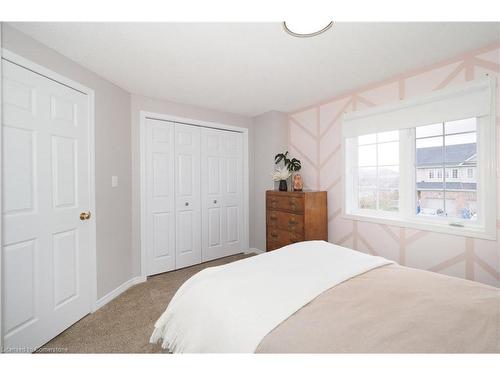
273, 217
292, 222
274, 234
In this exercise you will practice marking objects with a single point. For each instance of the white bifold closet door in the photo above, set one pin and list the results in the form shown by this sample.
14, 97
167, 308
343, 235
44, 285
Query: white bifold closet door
173, 219
160, 197
222, 187
187, 196
194, 195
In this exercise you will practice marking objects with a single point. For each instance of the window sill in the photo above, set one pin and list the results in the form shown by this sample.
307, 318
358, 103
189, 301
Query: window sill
464, 231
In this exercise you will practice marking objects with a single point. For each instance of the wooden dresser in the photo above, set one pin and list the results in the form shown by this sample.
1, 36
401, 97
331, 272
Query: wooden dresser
294, 216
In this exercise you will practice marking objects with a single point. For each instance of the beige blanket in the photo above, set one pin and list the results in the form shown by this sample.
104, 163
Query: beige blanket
394, 309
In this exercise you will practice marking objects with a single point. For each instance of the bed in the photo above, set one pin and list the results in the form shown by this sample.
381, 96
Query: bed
317, 297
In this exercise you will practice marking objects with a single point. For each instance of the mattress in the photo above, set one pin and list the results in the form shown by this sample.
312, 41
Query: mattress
394, 309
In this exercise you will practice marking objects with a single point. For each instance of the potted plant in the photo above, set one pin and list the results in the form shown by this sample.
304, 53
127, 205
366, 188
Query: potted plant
281, 175
289, 166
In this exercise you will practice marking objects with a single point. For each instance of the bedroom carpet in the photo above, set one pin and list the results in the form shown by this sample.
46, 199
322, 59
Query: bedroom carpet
125, 324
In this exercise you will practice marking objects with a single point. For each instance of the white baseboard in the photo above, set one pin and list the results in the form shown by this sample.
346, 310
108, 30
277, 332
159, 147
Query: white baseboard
116, 292
254, 250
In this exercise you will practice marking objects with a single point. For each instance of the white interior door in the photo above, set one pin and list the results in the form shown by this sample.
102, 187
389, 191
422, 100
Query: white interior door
46, 247
222, 193
187, 195
160, 197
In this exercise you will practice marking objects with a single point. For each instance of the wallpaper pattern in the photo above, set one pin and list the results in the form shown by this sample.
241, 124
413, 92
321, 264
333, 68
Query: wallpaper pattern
314, 136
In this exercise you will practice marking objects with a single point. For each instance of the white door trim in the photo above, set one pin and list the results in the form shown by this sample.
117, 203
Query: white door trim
30, 65
143, 115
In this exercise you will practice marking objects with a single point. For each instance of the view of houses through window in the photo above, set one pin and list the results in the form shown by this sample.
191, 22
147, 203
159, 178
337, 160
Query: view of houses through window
449, 147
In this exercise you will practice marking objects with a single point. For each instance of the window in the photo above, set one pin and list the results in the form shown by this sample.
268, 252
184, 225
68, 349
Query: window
378, 171
401, 168
445, 145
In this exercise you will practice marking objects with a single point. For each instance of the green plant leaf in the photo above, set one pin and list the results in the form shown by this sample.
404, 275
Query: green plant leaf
294, 165
281, 157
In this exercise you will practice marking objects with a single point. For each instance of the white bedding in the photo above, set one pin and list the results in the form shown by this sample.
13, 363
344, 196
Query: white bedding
231, 308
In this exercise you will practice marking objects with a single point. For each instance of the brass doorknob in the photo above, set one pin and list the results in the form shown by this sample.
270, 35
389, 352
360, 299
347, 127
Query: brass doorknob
85, 215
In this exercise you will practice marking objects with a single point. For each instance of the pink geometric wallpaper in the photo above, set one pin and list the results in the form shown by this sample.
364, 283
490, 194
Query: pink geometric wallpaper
314, 136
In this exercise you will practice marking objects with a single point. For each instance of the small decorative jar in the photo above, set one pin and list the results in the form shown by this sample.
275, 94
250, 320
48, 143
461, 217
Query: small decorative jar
283, 186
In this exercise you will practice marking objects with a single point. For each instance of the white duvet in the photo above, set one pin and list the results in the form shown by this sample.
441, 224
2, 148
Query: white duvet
231, 308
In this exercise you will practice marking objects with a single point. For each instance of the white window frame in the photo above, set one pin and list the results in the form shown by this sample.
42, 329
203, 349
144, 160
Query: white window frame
486, 174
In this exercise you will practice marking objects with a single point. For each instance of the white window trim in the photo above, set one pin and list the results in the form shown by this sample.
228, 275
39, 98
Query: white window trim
486, 171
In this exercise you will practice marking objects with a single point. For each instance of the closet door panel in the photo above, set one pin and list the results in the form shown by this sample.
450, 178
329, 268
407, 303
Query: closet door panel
212, 202
160, 197
233, 192
214, 227
222, 183
187, 195
213, 218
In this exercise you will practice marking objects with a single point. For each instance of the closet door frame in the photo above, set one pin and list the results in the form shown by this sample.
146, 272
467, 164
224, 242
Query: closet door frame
144, 115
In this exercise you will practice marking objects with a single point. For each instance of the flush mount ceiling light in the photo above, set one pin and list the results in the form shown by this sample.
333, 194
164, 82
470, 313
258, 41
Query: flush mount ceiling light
305, 29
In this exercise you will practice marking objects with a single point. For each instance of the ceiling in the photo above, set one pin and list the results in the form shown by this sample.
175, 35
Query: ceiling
251, 68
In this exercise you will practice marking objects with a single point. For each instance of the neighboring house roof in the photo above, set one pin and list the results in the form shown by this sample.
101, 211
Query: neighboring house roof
449, 185
453, 155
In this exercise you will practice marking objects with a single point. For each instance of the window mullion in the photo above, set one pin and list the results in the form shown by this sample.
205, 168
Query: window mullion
407, 171
378, 177
444, 164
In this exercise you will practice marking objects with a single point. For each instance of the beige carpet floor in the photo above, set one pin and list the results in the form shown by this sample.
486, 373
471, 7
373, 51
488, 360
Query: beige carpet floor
125, 324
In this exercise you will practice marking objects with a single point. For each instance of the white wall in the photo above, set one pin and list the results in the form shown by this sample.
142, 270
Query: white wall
112, 148
141, 103
271, 138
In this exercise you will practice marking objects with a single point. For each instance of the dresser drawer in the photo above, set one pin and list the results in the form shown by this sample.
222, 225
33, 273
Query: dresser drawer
285, 220
283, 237
276, 202
271, 245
